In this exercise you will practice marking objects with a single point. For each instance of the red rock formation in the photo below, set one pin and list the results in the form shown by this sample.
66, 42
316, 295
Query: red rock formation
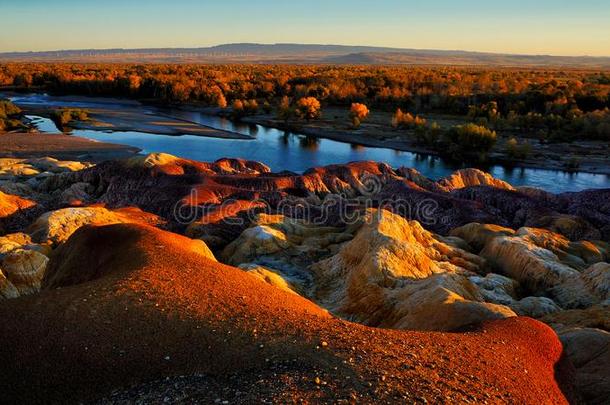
10, 204
158, 183
14, 211
139, 304
470, 178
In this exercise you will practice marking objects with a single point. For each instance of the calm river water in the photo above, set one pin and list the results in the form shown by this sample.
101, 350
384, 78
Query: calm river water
289, 151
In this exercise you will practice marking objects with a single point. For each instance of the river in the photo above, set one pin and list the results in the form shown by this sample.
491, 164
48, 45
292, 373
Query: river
289, 151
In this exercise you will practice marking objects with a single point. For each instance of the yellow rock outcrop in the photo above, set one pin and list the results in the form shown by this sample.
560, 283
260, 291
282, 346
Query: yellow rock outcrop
471, 177
271, 277
152, 160
22, 272
396, 274
573, 274
477, 235
11, 204
11, 169
285, 245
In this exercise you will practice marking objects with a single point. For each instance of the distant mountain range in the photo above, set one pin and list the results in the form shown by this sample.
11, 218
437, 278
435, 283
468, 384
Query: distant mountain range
301, 53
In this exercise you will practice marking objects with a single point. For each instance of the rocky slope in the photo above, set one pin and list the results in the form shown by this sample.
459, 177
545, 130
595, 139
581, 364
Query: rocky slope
145, 304
326, 255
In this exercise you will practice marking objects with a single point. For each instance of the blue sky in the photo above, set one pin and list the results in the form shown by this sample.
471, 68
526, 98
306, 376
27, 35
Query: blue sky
536, 26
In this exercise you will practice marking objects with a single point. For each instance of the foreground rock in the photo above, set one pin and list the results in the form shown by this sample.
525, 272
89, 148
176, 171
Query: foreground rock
55, 227
24, 256
289, 246
430, 256
589, 351
153, 305
23, 194
24, 270
574, 274
396, 274
13, 169
14, 211
22, 265
381, 270
11, 204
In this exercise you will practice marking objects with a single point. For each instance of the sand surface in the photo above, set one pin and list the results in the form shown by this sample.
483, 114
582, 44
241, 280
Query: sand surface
138, 118
60, 146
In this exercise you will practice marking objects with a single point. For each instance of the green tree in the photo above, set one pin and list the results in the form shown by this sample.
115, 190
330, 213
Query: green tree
470, 141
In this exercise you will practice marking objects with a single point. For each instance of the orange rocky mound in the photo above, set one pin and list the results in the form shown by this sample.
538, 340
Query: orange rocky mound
13, 210
138, 304
10, 204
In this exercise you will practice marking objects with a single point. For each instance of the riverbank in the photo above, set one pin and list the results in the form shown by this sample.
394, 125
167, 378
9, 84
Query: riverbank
577, 157
61, 146
137, 120
128, 115
585, 156
114, 114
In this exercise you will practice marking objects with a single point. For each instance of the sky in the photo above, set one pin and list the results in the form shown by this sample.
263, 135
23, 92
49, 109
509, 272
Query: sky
557, 27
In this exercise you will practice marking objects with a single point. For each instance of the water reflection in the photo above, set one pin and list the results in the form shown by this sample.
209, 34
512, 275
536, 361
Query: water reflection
283, 150
285, 138
296, 153
309, 142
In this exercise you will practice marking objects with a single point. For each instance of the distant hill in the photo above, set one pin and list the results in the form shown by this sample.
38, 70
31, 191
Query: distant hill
416, 57
301, 53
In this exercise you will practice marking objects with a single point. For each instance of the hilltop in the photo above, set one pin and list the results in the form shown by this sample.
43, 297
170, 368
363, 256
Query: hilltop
306, 54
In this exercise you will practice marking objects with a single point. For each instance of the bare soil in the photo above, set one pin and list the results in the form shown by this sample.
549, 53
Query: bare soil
138, 118
60, 146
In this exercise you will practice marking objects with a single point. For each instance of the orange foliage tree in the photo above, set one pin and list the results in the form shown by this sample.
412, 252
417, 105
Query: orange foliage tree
358, 113
309, 108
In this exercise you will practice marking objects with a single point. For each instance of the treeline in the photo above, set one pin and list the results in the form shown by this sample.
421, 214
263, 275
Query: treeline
549, 104
64, 116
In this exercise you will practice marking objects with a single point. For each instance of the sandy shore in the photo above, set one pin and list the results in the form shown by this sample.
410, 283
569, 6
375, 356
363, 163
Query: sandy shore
126, 118
60, 146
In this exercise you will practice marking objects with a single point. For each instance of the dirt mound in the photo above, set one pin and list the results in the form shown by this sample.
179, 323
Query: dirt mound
138, 304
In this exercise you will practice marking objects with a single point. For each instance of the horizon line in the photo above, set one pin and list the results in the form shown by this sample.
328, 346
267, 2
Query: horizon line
309, 44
